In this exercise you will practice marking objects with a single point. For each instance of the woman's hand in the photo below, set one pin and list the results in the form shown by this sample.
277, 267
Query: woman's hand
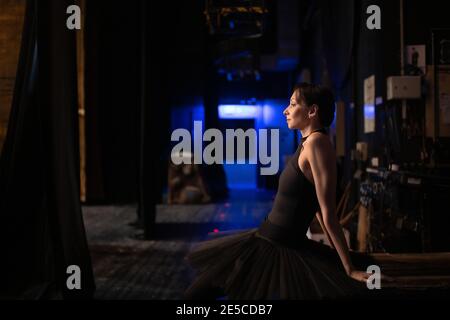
364, 276
359, 275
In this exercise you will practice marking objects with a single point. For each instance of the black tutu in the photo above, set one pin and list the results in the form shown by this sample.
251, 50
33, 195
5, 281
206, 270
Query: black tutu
264, 263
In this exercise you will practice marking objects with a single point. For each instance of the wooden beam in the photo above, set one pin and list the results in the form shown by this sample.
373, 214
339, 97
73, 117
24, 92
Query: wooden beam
363, 228
81, 100
11, 22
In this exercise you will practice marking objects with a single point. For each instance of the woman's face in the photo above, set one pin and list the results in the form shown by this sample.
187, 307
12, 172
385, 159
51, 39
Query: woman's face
296, 113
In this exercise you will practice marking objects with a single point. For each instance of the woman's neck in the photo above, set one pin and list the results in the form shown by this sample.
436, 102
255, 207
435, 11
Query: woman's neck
307, 131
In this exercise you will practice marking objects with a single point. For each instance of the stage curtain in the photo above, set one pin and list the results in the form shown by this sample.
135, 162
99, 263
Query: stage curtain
42, 229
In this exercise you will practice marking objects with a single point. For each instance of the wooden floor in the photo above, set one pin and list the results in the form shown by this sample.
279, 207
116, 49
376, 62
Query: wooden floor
127, 267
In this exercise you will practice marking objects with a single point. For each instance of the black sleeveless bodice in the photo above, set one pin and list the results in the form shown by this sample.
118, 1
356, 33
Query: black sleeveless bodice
296, 201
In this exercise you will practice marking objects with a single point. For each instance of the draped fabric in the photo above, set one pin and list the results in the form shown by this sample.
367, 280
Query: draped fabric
338, 25
113, 96
42, 230
247, 265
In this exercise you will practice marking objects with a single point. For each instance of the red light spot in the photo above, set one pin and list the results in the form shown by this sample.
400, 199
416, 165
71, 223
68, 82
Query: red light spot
216, 230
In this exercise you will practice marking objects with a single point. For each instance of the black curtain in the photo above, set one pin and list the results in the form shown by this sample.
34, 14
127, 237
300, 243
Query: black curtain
42, 230
113, 67
154, 137
338, 25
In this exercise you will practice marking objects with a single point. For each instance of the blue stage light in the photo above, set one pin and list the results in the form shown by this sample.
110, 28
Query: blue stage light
232, 111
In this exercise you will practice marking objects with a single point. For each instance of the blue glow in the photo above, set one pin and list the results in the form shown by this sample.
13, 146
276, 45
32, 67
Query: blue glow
369, 111
184, 117
269, 113
198, 113
231, 111
333, 124
241, 176
287, 63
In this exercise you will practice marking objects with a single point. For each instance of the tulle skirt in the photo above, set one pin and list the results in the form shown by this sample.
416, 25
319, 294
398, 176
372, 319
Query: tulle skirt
250, 264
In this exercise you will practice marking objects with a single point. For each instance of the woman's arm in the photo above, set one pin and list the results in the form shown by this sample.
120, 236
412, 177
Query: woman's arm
322, 160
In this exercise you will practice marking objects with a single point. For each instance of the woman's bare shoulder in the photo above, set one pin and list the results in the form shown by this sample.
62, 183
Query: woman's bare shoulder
318, 147
318, 140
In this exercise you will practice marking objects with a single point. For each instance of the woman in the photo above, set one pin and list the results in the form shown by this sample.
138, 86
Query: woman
276, 260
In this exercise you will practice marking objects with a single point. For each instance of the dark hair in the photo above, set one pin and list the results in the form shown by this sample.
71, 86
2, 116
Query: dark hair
319, 95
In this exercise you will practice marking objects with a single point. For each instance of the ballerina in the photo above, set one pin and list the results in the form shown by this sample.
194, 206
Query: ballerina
277, 260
